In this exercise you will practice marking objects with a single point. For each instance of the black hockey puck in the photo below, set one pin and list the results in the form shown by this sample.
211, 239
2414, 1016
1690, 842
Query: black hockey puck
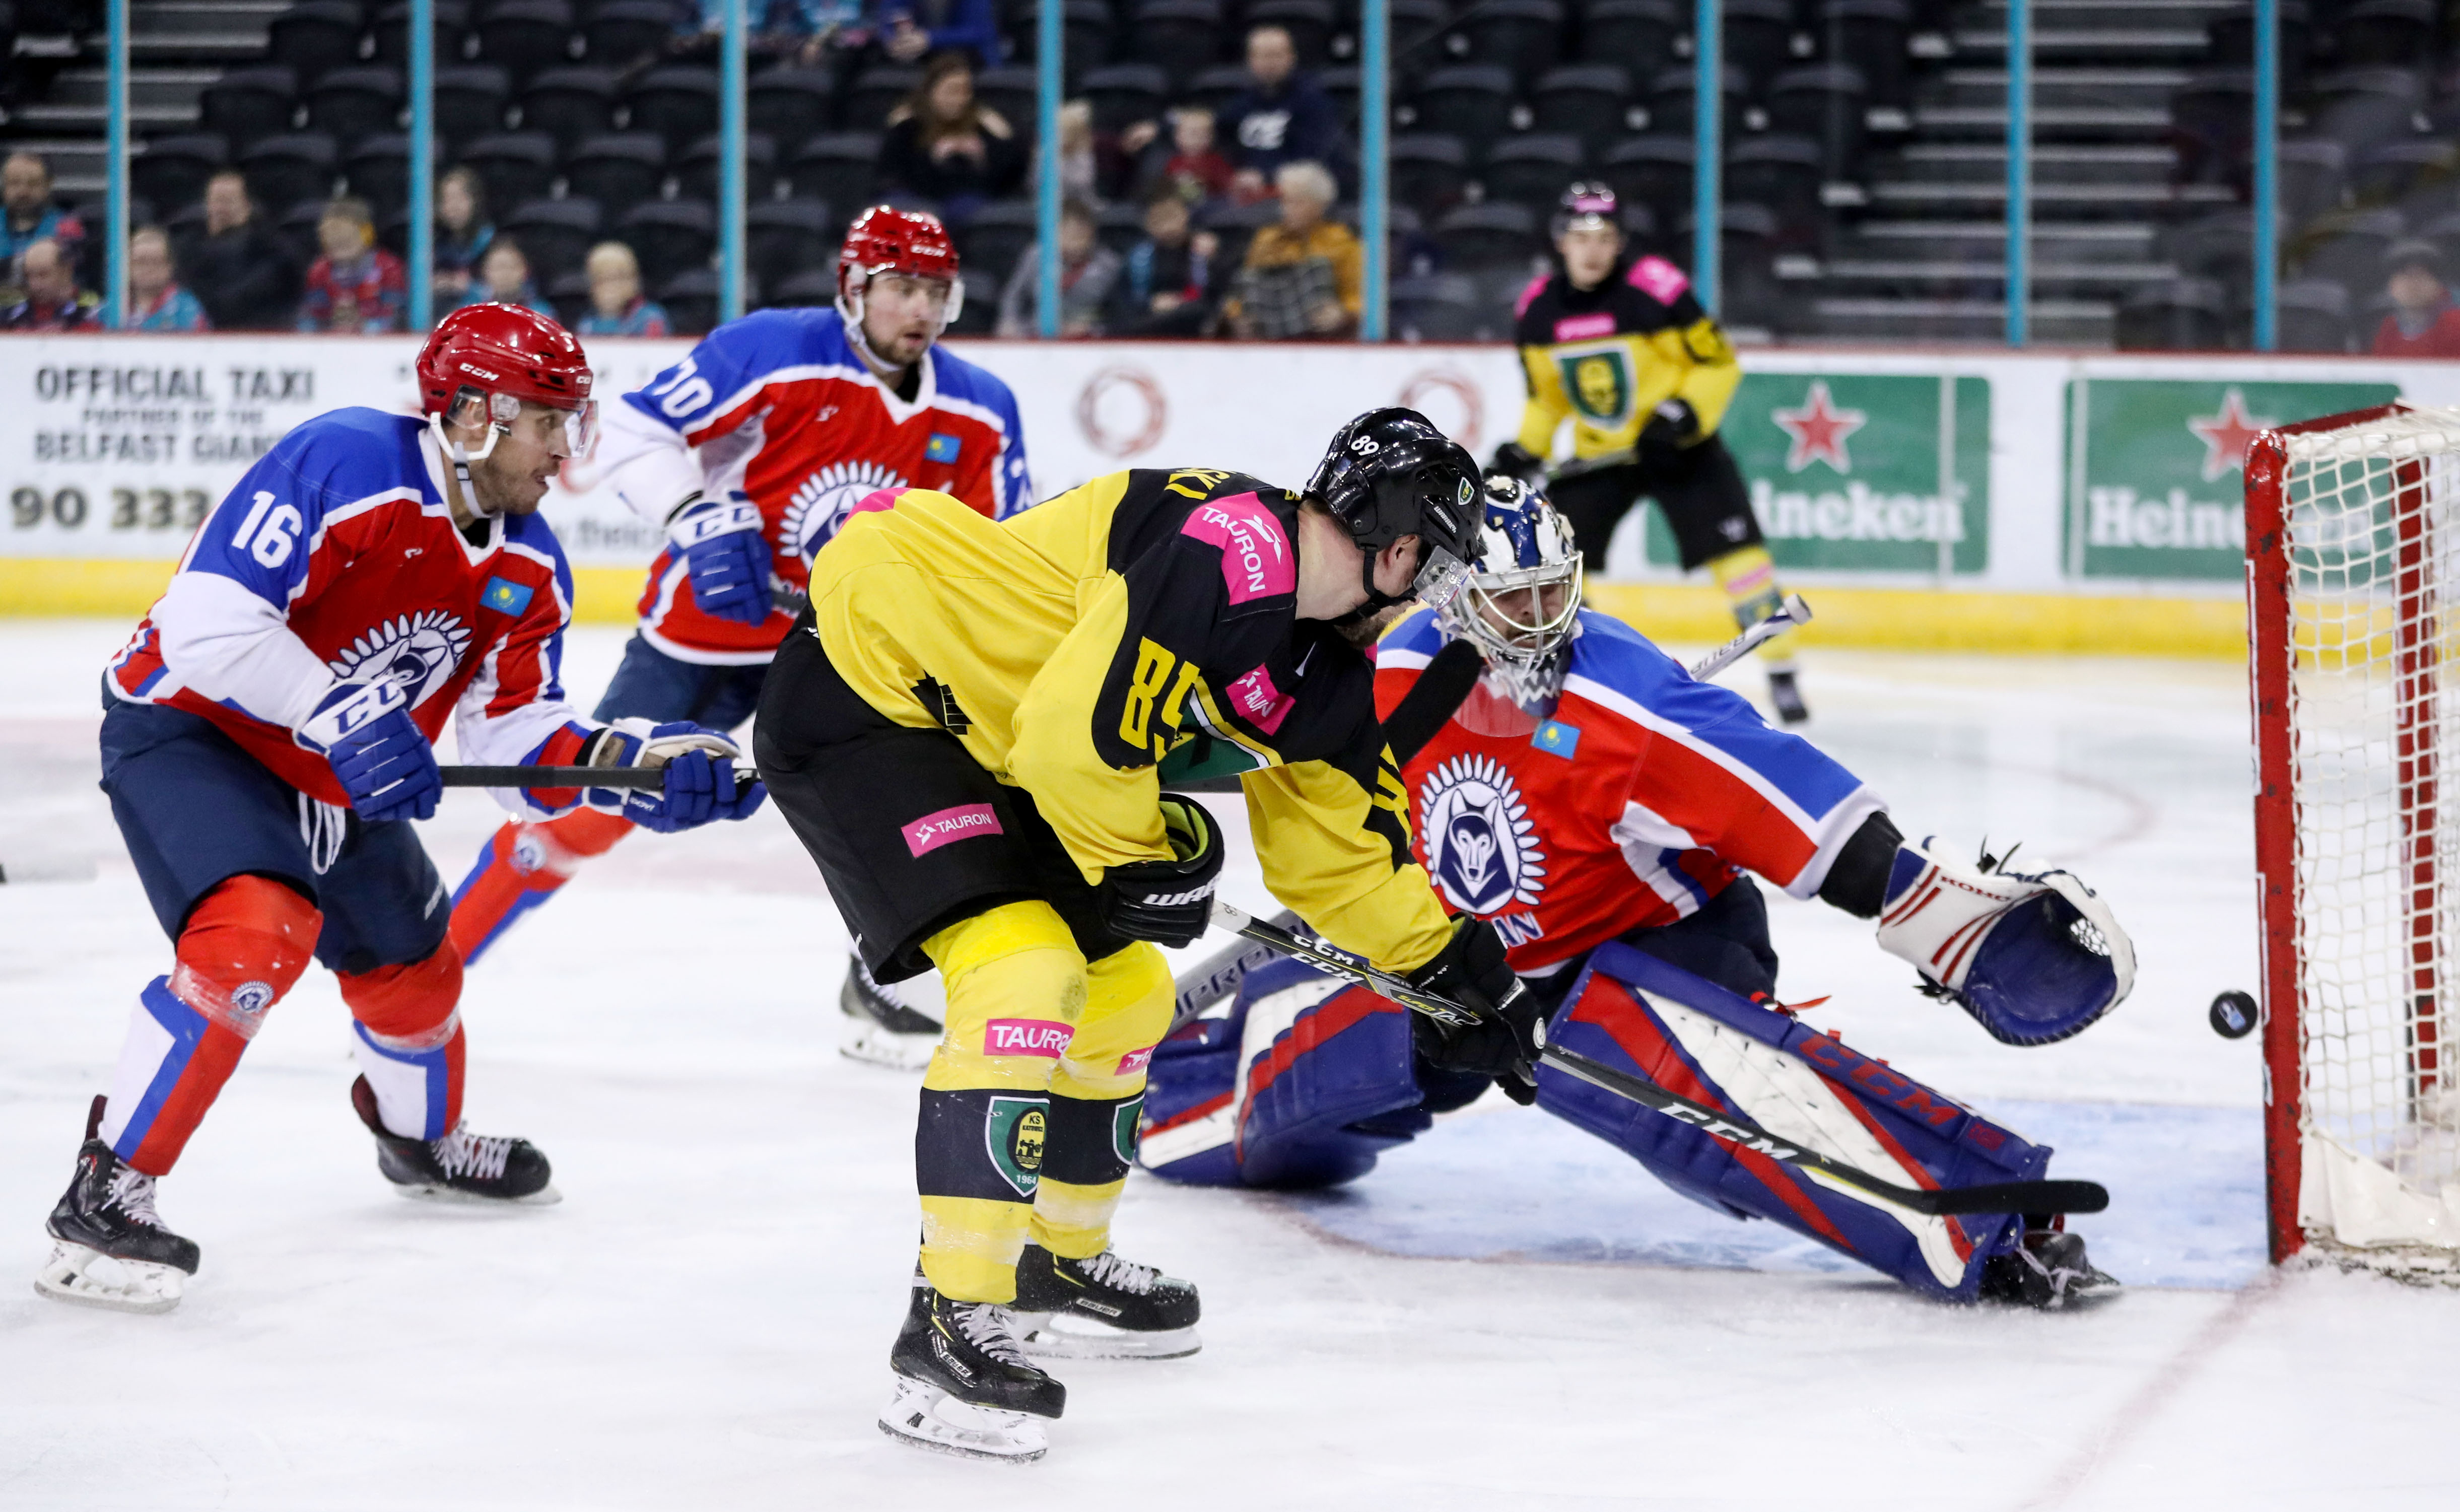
2234, 1014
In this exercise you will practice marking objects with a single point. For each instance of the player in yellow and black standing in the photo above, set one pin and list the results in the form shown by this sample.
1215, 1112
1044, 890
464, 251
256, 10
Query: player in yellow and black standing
963, 730
1621, 347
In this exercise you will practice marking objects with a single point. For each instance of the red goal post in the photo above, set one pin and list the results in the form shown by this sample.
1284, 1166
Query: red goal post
2353, 601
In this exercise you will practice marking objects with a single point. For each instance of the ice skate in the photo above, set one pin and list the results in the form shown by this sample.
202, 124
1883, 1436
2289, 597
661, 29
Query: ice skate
962, 1384
881, 1025
459, 1167
1785, 693
1103, 1309
2048, 1272
110, 1249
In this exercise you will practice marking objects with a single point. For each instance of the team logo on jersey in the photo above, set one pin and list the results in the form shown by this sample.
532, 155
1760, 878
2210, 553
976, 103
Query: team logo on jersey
1480, 843
1014, 1131
1598, 381
822, 501
415, 652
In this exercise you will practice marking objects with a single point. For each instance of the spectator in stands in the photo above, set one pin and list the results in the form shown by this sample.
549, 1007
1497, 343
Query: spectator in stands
53, 300
945, 145
462, 232
1304, 276
504, 279
1088, 272
1166, 286
915, 28
240, 272
2424, 322
1195, 171
616, 307
154, 292
27, 216
357, 285
1281, 118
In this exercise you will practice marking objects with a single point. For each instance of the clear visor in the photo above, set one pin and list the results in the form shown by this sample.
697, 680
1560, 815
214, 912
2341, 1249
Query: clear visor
944, 298
1440, 576
500, 410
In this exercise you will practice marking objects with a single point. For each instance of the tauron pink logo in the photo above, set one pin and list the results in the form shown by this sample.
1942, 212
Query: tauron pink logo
1658, 278
1133, 1061
1027, 1037
1259, 702
1580, 328
1255, 559
948, 826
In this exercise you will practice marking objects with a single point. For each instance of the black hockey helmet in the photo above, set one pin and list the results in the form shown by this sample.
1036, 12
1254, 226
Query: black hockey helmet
1389, 473
1586, 205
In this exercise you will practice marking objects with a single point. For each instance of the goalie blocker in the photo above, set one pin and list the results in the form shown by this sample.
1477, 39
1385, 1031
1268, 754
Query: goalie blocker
1306, 1081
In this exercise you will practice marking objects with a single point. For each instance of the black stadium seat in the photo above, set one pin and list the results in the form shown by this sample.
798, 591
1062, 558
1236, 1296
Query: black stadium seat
314, 38
172, 171
877, 90
1015, 95
838, 168
1086, 42
1759, 37
1783, 172
1524, 37
515, 165
691, 301
2186, 314
619, 169
696, 170
1869, 35
1533, 169
295, 228
570, 103
391, 31
678, 103
1430, 170
2391, 33
997, 236
1444, 306
1214, 86
2312, 316
1124, 94
790, 105
246, 105
470, 100
1637, 34
1592, 101
1180, 37
1653, 170
352, 104
669, 237
1478, 237
786, 237
621, 32
1672, 93
1471, 101
378, 171
289, 168
523, 37
1828, 103
556, 234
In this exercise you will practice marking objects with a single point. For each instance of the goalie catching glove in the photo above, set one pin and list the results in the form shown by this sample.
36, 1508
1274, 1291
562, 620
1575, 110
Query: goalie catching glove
2033, 956
1167, 902
1473, 971
702, 783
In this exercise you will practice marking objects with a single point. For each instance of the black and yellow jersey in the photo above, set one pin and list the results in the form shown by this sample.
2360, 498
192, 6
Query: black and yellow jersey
1072, 647
1608, 357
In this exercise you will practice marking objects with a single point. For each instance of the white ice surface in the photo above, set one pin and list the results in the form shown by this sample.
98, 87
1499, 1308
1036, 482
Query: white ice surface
1505, 1314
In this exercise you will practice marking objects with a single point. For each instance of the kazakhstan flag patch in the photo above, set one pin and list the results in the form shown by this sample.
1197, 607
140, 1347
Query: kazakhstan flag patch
1557, 738
505, 596
941, 448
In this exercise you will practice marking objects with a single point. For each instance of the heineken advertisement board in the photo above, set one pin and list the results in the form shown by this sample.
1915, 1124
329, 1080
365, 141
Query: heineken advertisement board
2155, 468
1861, 473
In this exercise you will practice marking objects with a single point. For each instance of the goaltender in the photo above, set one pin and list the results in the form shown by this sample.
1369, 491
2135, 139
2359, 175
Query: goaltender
963, 730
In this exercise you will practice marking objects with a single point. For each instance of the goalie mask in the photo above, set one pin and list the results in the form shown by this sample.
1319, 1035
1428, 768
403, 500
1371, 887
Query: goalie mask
1521, 607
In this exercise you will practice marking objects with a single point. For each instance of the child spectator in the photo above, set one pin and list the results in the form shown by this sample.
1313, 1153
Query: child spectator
356, 286
462, 232
945, 145
616, 307
1088, 270
1306, 276
153, 292
504, 279
1166, 286
2424, 322
53, 300
1193, 170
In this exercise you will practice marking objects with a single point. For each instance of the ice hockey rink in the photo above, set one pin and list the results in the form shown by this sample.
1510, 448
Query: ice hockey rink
1506, 1313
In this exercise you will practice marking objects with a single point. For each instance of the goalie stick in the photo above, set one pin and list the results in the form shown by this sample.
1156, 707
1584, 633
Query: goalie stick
1998, 1197
1792, 612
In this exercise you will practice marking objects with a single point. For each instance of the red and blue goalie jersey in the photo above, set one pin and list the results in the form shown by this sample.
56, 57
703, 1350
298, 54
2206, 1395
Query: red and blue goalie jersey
778, 405
1640, 801
335, 559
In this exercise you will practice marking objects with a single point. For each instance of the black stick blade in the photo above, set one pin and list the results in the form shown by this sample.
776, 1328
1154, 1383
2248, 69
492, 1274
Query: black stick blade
1439, 690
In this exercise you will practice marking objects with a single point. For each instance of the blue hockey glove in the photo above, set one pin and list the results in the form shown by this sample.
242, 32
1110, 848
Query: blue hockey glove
702, 783
726, 554
381, 759
2033, 956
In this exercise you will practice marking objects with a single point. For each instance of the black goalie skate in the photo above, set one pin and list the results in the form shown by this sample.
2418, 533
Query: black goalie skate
110, 1249
963, 1386
2048, 1272
1785, 691
1103, 1309
882, 1026
461, 1166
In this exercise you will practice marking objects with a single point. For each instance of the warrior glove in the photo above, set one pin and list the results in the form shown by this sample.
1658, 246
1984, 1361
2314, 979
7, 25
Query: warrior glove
1672, 423
1472, 970
2034, 957
381, 759
701, 781
1167, 902
1519, 462
725, 553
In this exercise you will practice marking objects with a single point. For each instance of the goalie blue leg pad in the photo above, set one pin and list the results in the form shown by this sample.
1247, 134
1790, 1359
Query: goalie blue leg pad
1702, 1042
1301, 1084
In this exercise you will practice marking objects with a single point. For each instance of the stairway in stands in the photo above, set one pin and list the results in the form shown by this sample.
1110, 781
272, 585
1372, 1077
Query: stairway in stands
175, 48
1927, 260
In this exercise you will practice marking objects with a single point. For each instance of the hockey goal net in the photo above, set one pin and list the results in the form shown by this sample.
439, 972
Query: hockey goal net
2353, 595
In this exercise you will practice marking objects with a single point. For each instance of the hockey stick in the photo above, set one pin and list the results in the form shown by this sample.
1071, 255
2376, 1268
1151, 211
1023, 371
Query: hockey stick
1583, 467
553, 775
1792, 613
1998, 1197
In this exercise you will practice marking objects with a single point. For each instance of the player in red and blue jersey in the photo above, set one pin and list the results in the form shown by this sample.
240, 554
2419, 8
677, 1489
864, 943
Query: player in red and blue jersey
268, 736
749, 454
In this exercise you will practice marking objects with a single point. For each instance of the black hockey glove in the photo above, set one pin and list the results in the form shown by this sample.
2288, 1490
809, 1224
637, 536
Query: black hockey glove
1503, 1044
1672, 423
1167, 902
1519, 462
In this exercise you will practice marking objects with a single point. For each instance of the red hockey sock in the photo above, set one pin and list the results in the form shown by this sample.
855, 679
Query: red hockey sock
522, 865
409, 1040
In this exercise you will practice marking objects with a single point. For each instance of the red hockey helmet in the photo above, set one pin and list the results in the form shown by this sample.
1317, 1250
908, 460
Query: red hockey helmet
491, 358
887, 239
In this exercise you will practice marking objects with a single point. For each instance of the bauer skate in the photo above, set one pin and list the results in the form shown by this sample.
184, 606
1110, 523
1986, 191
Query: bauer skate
459, 1167
881, 1025
1102, 1309
109, 1248
962, 1384
2048, 1271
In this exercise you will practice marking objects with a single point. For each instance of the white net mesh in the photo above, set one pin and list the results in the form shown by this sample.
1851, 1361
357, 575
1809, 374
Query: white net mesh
2374, 582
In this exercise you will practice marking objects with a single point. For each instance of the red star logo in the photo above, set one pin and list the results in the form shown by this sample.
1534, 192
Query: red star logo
1818, 430
2227, 435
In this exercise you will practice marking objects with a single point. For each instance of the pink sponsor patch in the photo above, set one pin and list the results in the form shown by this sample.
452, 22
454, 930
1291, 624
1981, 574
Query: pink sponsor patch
1133, 1061
1659, 278
1580, 328
1027, 1037
1257, 561
1528, 295
949, 826
1259, 702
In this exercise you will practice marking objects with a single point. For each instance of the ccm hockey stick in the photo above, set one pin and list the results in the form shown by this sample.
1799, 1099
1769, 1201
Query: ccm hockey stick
1998, 1197
1792, 613
553, 775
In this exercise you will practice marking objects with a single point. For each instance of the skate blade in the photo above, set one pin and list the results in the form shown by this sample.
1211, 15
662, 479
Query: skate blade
89, 1278
876, 1045
427, 1192
1067, 1336
927, 1417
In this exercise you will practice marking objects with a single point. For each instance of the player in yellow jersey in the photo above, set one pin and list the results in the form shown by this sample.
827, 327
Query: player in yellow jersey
1620, 346
963, 730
